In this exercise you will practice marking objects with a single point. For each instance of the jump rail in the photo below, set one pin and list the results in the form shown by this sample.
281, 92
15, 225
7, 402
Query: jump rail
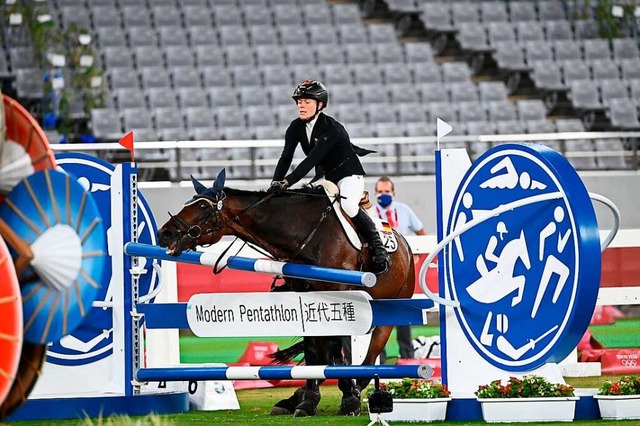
293, 270
174, 374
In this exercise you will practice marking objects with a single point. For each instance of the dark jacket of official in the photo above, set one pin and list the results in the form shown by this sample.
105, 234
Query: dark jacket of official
330, 151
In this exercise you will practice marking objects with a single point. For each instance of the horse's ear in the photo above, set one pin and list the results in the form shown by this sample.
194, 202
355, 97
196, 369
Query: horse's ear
218, 185
200, 188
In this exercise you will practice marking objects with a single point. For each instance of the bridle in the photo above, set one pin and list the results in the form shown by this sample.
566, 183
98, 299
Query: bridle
194, 231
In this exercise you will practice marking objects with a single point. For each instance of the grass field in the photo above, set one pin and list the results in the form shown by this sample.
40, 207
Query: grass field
256, 404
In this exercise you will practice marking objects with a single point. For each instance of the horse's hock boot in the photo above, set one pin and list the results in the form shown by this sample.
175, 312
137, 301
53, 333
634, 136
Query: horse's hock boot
381, 262
350, 405
309, 404
288, 406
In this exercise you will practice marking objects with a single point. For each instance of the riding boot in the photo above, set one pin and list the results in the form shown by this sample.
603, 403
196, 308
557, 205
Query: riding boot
366, 227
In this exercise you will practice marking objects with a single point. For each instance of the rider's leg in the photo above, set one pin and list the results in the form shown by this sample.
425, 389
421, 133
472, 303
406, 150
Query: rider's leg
351, 188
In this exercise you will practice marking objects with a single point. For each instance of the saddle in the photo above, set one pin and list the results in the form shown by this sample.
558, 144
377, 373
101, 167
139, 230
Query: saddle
385, 231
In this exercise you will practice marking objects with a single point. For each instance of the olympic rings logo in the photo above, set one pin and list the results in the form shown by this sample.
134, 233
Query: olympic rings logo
629, 362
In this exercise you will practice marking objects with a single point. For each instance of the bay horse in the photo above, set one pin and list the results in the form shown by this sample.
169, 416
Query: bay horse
299, 226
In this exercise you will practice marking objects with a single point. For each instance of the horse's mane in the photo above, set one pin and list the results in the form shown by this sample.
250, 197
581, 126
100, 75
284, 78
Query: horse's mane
304, 191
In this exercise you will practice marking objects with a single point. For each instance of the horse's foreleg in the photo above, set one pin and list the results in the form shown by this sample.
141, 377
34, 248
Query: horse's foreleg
379, 339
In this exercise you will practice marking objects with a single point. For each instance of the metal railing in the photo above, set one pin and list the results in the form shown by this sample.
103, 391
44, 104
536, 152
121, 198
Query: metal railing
168, 155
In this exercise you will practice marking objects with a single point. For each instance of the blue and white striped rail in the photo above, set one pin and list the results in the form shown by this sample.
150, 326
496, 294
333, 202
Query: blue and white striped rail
307, 372
293, 270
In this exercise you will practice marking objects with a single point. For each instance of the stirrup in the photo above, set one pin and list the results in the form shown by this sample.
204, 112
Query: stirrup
376, 265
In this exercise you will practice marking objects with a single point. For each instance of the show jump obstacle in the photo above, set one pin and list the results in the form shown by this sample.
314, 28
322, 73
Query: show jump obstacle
517, 290
131, 390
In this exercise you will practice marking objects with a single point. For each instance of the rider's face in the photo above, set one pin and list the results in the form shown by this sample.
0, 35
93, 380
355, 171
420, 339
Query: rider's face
306, 108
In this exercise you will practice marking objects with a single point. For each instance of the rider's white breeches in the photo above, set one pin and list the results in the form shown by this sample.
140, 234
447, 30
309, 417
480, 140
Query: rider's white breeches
351, 189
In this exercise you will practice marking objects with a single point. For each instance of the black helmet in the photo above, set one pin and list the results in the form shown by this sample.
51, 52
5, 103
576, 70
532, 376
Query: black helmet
311, 89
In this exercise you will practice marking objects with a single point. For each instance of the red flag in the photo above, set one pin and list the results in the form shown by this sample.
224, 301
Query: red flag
127, 142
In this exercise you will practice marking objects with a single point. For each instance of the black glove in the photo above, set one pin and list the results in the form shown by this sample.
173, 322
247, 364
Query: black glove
278, 186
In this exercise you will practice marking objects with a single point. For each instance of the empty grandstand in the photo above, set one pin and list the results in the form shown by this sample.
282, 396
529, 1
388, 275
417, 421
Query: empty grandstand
225, 69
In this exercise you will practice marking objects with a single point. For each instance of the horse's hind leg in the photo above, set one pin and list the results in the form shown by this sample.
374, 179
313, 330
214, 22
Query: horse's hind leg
315, 352
350, 404
379, 338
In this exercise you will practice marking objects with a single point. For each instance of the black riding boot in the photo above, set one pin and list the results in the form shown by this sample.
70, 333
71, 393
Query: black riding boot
366, 227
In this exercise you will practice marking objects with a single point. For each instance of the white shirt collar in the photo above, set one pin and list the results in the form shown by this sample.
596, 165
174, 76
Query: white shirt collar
309, 126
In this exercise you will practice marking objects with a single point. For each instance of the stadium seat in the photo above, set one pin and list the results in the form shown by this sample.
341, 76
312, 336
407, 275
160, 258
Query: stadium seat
558, 30
279, 75
432, 92
471, 111
191, 97
142, 37
129, 98
529, 31
172, 36
165, 15
494, 11
207, 56
216, 75
105, 124
531, 109
185, 77
522, 11
596, 49
148, 56
551, 10
220, 96
123, 78
161, 97
155, 77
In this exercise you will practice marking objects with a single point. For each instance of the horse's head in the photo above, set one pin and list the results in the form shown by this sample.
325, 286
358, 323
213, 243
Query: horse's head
200, 221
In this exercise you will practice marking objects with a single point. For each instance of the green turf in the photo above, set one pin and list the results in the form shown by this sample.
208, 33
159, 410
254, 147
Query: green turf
229, 349
622, 334
256, 404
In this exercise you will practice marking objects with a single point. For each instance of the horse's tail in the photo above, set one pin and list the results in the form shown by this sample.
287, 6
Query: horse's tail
284, 356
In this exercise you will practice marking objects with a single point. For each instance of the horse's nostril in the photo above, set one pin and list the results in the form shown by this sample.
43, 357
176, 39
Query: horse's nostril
164, 235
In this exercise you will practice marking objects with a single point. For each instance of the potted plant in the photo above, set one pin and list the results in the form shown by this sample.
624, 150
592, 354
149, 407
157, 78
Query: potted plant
414, 400
528, 399
620, 399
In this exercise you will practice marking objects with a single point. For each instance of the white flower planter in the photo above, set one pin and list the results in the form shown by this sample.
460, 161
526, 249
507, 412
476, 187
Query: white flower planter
511, 410
416, 410
619, 406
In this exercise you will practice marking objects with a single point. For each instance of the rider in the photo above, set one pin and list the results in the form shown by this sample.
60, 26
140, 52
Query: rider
327, 147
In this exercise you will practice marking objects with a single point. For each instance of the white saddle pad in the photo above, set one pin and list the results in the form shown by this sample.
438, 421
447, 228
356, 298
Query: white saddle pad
385, 231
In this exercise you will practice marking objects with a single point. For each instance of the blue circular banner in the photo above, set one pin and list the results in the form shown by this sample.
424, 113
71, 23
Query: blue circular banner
527, 277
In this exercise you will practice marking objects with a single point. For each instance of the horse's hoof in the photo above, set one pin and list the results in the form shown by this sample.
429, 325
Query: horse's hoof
350, 406
279, 411
307, 407
349, 413
300, 413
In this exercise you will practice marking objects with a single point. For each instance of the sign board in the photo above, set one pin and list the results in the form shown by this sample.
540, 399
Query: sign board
324, 313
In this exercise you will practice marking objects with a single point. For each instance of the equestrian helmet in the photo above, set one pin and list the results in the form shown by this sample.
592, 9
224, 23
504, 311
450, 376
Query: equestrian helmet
311, 89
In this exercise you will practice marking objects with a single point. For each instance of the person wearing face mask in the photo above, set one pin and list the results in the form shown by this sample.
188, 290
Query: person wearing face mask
405, 222
329, 150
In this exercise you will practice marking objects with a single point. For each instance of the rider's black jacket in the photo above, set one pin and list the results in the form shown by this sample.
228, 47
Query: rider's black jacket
330, 150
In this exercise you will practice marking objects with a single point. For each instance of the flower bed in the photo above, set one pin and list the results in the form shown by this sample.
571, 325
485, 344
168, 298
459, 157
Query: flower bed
414, 400
529, 399
620, 399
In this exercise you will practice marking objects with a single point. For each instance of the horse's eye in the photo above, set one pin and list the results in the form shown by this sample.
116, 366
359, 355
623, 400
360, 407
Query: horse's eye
203, 205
